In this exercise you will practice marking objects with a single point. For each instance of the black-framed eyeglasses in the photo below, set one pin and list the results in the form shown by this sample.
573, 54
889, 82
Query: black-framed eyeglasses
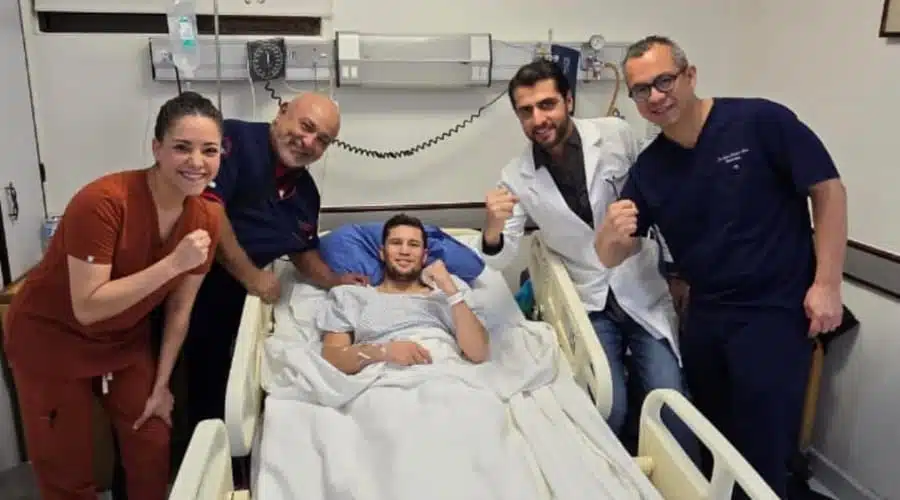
663, 83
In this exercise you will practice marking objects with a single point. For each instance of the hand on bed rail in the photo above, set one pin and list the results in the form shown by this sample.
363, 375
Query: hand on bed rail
265, 285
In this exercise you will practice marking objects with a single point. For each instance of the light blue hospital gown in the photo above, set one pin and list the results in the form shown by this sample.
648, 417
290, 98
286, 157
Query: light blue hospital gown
375, 317
432, 431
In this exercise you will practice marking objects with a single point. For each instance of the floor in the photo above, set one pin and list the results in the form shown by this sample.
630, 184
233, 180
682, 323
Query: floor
818, 488
18, 484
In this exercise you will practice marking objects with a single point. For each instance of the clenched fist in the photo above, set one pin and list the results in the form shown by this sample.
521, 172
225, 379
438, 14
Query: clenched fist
191, 251
620, 222
437, 273
499, 204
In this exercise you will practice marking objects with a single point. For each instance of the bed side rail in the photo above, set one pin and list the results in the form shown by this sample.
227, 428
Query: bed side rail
674, 474
243, 397
206, 469
558, 303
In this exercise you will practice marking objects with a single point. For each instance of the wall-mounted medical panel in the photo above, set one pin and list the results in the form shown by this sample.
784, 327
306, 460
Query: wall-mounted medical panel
307, 59
311, 8
508, 57
413, 61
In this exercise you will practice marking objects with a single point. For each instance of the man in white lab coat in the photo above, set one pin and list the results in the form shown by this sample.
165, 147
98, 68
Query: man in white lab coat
563, 182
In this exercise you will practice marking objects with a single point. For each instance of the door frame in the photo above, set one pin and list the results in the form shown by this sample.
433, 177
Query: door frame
5, 267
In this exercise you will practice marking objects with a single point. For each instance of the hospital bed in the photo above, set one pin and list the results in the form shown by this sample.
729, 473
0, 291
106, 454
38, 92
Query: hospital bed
206, 472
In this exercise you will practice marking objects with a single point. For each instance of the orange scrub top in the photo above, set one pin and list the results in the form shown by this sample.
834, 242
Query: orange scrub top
112, 220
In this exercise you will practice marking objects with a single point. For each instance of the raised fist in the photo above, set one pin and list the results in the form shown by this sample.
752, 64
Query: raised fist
437, 273
192, 250
620, 222
499, 204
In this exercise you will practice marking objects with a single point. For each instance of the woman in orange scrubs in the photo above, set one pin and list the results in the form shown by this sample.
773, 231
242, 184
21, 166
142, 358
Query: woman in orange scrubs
80, 326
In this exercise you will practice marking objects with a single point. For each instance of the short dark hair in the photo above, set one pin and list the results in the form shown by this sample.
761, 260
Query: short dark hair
185, 104
538, 71
403, 220
640, 47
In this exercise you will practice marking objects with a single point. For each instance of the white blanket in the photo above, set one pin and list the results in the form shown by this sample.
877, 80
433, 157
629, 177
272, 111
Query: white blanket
514, 428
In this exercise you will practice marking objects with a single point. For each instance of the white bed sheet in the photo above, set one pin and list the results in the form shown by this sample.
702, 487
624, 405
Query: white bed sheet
328, 436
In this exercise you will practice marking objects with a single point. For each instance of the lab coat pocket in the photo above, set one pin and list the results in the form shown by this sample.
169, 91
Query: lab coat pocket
638, 280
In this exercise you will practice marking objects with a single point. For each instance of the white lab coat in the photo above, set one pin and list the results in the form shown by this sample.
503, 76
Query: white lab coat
610, 148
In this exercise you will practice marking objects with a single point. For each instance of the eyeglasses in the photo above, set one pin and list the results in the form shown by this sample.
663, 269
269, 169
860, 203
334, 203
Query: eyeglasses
663, 83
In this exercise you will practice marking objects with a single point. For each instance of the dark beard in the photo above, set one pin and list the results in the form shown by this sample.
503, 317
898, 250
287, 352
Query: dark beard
391, 273
560, 136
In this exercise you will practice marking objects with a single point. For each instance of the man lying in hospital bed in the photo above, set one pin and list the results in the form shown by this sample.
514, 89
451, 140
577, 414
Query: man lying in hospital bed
516, 426
420, 416
390, 322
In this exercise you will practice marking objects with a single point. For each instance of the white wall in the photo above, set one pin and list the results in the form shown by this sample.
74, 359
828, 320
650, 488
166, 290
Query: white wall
856, 436
99, 121
95, 100
825, 60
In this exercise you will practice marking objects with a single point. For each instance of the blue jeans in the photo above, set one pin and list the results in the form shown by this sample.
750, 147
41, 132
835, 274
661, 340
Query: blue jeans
651, 365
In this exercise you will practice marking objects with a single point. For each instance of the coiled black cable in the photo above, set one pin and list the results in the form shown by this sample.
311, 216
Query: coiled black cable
418, 148
276, 97
404, 153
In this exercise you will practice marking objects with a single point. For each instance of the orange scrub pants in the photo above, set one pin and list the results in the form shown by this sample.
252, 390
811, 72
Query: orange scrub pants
57, 418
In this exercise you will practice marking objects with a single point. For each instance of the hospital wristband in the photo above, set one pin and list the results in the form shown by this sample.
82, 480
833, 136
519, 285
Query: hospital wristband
456, 298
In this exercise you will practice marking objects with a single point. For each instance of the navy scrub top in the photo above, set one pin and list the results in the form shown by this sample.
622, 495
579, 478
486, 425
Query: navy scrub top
733, 209
274, 210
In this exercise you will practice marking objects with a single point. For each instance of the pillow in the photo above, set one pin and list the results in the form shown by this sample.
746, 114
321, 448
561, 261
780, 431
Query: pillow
354, 248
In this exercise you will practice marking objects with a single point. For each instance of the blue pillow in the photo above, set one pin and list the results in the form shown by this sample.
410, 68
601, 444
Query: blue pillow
354, 248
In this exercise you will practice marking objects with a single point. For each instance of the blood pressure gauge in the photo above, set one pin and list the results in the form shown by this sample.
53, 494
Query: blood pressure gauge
266, 59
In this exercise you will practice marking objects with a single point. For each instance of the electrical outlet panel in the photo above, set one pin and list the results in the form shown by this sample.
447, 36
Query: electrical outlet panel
313, 59
413, 61
307, 59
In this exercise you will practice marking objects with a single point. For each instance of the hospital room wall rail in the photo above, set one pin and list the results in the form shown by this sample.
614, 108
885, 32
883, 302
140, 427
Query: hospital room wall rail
873, 268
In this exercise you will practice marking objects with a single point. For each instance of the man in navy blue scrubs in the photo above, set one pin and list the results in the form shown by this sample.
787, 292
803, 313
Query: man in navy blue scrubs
272, 207
727, 184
